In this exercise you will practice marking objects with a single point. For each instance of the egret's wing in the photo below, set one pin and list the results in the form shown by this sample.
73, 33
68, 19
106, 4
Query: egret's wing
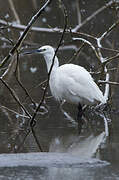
79, 82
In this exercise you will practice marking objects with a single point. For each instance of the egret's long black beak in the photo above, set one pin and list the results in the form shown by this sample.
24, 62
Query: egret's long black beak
31, 52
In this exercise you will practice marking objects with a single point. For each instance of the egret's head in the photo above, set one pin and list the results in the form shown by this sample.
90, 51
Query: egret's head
44, 50
48, 52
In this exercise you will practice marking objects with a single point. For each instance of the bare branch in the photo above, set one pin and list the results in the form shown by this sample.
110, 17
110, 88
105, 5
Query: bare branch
108, 31
87, 42
78, 12
35, 137
103, 60
108, 60
104, 69
10, 70
20, 115
23, 36
34, 29
108, 82
94, 14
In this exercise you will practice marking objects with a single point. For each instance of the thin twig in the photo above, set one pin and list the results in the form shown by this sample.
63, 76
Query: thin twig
3, 107
109, 30
7, 39
35, 137
20, 83
83, 34
108, 60
108, 49
76, 53
15, 97
21, 144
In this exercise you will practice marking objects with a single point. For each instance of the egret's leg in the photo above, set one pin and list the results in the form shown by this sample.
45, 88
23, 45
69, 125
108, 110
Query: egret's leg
79, 118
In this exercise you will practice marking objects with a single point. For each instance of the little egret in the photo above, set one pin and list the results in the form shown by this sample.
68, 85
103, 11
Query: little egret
70, 82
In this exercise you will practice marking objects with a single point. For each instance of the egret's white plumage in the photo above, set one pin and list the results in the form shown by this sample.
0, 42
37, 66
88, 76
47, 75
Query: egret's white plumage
71, 82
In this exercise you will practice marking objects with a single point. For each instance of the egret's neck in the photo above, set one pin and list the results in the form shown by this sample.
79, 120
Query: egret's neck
49, 61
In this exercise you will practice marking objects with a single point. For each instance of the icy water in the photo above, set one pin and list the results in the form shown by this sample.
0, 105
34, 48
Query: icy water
90, 156
51, 166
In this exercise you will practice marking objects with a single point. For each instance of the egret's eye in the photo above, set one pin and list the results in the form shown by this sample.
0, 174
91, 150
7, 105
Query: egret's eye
41, 50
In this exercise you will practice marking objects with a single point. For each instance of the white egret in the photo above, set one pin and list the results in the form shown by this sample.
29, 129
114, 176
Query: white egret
70, 82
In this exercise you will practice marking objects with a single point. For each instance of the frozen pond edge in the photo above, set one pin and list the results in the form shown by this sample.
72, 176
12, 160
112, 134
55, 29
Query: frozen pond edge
48, 160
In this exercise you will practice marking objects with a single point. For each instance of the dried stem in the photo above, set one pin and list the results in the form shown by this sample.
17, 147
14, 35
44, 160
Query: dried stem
14, 11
